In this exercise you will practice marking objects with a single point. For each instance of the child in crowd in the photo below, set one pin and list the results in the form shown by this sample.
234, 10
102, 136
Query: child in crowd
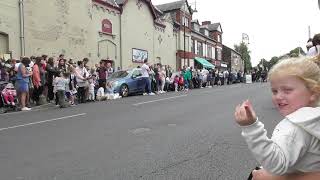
60, 84
71, 90
176, 83
181, 82
110, 92
294, 146
9, 93
91, 90
100, 93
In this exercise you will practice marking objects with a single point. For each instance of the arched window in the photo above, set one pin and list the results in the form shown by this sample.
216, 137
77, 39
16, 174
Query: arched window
106, 26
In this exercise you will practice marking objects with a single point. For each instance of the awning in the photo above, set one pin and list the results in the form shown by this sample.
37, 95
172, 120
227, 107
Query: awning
204, 62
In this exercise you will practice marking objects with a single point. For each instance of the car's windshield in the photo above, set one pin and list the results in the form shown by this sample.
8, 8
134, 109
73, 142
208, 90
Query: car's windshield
119, 74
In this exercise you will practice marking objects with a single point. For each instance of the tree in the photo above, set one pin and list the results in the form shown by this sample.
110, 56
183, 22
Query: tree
296, 52
264, 64
242, 48
273, 61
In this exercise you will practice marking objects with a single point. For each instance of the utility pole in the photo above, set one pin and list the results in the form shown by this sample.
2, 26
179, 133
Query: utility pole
184, 33
309, 30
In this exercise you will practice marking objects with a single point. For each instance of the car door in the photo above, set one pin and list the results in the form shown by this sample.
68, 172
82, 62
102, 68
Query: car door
140, 83
135, 80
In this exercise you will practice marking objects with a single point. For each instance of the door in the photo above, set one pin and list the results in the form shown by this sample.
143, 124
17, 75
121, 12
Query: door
138, 80
4, 44
107, 50
135, 81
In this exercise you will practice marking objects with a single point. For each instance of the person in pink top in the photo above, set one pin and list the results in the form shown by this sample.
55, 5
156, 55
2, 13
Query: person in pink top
8, 94
36, 79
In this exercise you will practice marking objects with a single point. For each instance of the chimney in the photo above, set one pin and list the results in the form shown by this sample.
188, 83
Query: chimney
206, 23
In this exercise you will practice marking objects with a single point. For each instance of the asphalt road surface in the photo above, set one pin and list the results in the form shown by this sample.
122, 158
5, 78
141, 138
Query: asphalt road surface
174, 136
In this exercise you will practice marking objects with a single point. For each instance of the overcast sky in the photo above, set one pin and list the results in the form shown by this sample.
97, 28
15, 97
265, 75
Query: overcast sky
274, 26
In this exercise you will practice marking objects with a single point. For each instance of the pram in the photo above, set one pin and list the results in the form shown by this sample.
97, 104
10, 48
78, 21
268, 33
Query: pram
5, 107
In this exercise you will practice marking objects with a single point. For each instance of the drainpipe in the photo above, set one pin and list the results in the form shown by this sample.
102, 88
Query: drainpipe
21, 18
120, 39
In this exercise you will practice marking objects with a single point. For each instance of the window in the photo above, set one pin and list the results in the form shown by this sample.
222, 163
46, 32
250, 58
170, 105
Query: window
136, 73
209, 51
206, 32
213, 52
200, 49
219, 38
219, 54
192, 46
185, 21
196, 27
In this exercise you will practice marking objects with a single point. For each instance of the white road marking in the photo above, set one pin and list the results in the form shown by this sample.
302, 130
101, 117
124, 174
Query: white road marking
157, 100
19, 112
40, 122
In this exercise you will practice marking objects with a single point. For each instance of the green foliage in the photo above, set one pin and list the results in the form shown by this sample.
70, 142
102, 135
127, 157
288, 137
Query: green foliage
242, 48
293, 53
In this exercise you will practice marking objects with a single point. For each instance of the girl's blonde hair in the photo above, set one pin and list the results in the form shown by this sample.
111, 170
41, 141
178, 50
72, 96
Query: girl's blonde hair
305, 68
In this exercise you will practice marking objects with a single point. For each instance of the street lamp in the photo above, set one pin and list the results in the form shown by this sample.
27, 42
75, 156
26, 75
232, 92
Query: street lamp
245, 37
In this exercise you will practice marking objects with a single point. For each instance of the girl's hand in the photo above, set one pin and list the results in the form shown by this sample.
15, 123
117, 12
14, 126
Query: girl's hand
245, 114
264, 175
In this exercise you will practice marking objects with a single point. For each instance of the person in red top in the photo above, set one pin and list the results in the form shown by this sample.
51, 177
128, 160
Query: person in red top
102, 74
36, 79
181, 82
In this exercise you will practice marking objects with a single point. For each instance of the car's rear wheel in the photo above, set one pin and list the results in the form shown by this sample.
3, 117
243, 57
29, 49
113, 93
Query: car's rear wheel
124, 90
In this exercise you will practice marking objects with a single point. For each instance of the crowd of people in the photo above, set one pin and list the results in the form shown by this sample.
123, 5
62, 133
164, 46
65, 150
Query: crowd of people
44, 79
163, 79
40, 79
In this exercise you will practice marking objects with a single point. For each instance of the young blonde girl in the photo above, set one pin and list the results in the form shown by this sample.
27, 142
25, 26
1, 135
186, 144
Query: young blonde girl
294, 146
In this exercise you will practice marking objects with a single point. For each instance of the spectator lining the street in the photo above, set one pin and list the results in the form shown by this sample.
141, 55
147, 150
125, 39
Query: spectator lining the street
110, 92
101, 96
36, 79
145, 76
81, 77
293, 148
60, 84
315, 49
23, 75
9, 94
51, 73
91, 90
176, 83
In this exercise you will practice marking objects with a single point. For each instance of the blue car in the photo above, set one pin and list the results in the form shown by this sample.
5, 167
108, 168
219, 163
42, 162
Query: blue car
127, 82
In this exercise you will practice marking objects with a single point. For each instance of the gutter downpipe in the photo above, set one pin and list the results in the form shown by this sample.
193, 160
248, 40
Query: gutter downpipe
121, 65
21, 21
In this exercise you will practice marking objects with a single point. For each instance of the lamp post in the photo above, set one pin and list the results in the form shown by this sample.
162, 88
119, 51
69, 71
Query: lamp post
245, 38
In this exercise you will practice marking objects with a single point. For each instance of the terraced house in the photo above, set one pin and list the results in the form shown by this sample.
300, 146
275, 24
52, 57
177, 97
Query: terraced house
123, 31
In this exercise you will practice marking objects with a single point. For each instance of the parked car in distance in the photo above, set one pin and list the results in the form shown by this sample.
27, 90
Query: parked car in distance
126, 82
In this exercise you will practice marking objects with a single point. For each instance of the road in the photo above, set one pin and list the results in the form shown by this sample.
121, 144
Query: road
173, 136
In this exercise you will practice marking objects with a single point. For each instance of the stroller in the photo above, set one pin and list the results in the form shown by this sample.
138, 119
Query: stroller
5, 107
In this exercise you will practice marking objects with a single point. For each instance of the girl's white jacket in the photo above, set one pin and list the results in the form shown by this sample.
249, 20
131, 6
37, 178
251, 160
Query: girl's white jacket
294, 146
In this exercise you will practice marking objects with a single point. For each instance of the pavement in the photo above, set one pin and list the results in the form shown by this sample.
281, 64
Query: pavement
172, 136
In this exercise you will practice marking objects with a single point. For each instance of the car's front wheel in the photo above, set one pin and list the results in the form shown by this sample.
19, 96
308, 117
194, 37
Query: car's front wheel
124, 90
